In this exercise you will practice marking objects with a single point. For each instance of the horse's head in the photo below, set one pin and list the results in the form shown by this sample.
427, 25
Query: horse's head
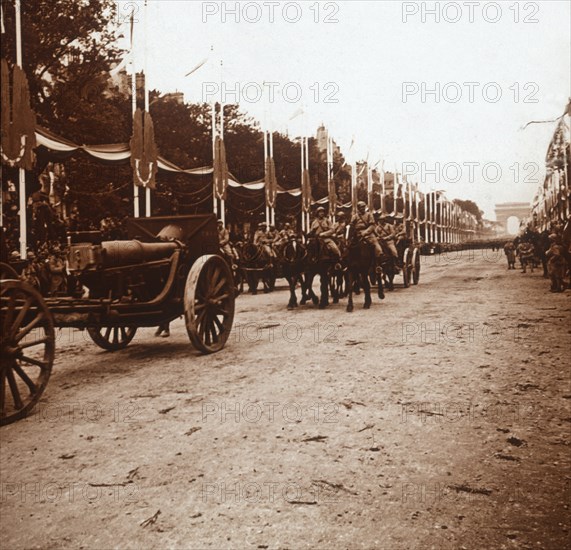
294, 251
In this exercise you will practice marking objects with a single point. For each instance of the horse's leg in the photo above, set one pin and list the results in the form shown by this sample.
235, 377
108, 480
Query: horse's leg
349, 290
292, 280
312, 295
381, 290
252, 283
306, 282
324, 287
366, 289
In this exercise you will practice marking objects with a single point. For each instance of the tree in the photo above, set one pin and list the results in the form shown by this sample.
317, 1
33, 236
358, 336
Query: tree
471, 207
68, 46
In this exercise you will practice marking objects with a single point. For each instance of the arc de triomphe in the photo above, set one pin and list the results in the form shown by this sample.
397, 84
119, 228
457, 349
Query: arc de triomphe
507, 210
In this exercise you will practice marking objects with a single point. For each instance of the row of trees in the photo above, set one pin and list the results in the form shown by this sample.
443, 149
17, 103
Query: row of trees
69, 49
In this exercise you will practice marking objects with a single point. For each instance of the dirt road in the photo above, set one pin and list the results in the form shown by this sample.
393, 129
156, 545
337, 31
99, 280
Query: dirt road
440, 418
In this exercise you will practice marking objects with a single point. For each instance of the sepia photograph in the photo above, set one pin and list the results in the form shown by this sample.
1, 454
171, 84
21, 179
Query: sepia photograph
285, 275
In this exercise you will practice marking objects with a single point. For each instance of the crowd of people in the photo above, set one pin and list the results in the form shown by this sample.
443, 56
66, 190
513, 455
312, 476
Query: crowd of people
546, 247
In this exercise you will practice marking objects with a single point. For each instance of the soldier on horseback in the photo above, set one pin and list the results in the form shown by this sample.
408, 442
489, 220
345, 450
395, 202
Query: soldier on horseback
339, 229
324, 231
386, 233
261, 239
364, 223
284, 236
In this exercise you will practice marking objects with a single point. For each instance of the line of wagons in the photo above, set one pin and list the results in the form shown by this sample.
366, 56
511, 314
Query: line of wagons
169, 267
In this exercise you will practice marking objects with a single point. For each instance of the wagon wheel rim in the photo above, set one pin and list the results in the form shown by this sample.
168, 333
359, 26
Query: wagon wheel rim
112, 338
7, 272
27, 343
415, 266
209, 303
406, 268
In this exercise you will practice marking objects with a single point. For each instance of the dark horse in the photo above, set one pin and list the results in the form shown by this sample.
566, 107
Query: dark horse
256, 265
318, 262
292, 260
360, 259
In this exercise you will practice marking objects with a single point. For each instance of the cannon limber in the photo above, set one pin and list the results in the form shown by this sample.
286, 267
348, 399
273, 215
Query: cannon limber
169, 267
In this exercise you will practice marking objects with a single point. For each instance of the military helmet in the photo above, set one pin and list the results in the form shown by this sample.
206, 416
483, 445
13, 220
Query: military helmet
320, 209
361, 204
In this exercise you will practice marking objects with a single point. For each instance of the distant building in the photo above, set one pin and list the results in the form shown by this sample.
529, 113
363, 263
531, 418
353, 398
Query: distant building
321, 138
177, 97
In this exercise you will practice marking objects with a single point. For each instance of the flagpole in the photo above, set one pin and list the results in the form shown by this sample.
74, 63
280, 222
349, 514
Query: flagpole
213, 117
222, 201
267, 175
134, 107
417, 204
21, 171
410, 218
308, 178
146, 94
370, 186
274, 191
382, 186
354, 188
302, 187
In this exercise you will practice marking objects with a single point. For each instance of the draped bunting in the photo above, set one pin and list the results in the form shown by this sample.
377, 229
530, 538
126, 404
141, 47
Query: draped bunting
18, 119
119, 153
220, 169
306, 192
270, 182
143, 150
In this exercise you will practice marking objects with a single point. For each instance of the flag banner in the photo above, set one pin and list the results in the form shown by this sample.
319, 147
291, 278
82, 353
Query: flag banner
271, 183
18, 119
306, 192
331, 195
220, 169
143, 150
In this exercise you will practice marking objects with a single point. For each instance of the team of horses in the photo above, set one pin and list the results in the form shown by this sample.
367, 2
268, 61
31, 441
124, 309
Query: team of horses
303, 259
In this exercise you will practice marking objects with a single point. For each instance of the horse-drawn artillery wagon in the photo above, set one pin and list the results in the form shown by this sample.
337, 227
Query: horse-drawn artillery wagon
169, 267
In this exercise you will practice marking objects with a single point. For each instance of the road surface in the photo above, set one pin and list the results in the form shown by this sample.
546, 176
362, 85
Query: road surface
439, 418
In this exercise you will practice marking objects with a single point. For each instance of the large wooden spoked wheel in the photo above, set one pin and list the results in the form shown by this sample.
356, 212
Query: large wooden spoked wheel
415, 266
406, 268
8, 272
112, 338
27, 346
209, 303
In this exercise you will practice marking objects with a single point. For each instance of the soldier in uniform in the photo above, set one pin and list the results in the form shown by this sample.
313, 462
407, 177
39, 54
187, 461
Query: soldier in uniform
364, 223
525, 252
224, 241
386, 232
340, 227
284, 235
260, 238
556, 264
272, 235
509, 251
323, 229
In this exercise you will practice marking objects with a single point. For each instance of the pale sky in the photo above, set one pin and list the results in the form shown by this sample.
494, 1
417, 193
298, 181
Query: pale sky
363, 57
